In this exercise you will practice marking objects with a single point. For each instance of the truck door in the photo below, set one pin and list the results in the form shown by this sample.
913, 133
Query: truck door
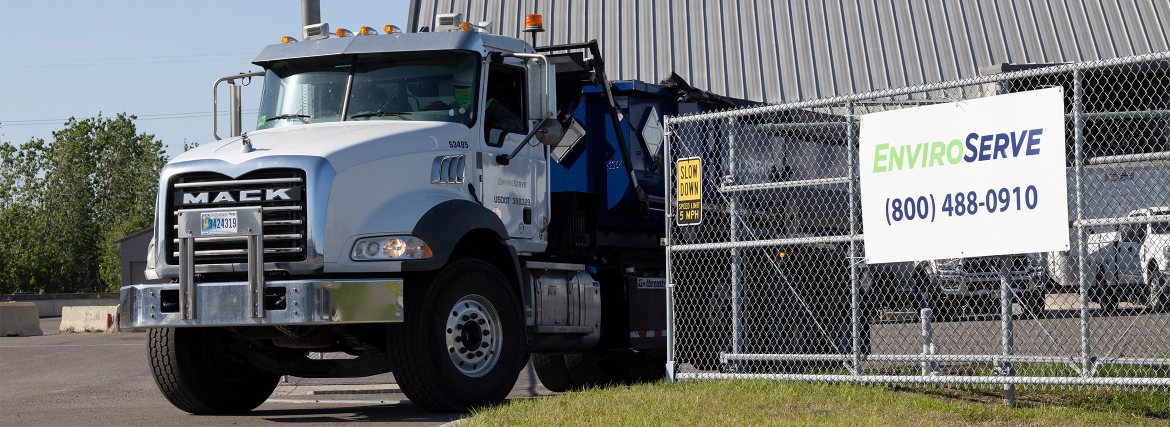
1129, 244
511, 190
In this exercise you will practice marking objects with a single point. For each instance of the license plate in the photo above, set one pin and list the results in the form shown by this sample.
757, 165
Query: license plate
218, 223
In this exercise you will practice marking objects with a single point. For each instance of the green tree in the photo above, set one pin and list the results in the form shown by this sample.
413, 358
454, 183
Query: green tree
64, 204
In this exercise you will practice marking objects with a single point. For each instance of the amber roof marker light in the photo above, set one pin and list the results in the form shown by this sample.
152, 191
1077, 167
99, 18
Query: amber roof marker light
534, 23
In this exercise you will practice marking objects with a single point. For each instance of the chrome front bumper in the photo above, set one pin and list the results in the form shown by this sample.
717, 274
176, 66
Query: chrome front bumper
304, 302
977, 285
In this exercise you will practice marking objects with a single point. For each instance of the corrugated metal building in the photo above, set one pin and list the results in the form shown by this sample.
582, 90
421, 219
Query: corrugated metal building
775, 51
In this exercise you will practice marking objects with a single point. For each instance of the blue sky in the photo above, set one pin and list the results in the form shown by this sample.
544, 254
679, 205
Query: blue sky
155, 59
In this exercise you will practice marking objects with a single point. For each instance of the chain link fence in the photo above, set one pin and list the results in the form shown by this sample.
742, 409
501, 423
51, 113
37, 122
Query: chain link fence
767, 266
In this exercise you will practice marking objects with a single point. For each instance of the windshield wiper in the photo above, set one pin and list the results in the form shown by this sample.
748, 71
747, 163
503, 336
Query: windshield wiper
286, 116
399, 114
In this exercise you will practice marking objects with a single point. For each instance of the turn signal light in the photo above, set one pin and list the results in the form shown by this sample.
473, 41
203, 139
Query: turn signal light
342, 32
465, 26
287, 39
365, 31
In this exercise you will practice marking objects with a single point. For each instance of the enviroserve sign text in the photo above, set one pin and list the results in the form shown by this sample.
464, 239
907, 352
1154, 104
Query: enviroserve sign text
972, 178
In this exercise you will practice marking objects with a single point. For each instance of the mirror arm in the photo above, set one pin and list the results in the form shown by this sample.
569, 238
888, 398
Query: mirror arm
504, 159
215, 98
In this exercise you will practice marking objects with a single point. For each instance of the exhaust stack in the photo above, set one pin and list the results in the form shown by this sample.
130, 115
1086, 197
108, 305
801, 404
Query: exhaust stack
311, 26
310, 12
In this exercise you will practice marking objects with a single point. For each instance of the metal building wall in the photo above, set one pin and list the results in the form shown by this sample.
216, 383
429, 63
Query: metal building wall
775, 51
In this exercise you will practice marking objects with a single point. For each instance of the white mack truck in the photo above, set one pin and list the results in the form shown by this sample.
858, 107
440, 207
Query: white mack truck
440, 205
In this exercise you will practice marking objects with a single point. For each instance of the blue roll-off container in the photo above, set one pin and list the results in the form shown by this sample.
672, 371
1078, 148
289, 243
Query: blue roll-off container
596, 166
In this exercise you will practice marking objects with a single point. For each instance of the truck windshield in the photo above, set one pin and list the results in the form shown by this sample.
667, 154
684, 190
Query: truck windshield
300, 92
433, 87
1160, 227
425, 86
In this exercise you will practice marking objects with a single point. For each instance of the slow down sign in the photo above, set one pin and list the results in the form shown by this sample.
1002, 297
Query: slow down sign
690, 191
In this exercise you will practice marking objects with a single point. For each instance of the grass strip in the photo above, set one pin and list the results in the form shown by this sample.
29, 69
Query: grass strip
795, 403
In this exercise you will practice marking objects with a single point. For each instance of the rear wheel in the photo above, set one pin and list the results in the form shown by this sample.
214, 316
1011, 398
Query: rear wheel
203, 371
462, 344
587, 371
550, 368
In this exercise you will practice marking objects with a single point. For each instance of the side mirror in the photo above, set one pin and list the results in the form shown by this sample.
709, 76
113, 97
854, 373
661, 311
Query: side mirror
541, 90
569, 137
235, 105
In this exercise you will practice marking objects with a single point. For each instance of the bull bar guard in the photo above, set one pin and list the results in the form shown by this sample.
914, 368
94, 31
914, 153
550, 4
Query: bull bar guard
256, 301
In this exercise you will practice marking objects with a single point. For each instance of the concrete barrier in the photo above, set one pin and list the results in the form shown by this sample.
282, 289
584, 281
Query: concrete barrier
19, 319
50, 304
93, 318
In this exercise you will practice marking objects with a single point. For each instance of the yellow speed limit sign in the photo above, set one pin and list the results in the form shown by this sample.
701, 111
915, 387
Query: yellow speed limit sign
690, 191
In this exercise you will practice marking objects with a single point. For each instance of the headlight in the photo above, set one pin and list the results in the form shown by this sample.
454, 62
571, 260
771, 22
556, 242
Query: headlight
948, 263
390, 248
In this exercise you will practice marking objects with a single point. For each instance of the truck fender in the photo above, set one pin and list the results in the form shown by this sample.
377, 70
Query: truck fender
445, 224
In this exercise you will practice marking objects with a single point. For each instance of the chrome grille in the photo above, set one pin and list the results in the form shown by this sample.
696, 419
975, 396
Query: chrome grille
284, 220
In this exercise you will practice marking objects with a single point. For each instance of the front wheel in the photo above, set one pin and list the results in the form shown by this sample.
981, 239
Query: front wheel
462, 344
1156, 290
1105, 295
203, 371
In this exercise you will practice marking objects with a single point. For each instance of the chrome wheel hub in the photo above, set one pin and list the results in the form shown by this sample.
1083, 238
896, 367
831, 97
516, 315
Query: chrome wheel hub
473, 335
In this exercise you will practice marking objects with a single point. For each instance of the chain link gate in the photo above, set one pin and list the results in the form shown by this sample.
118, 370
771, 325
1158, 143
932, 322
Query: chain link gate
766, 266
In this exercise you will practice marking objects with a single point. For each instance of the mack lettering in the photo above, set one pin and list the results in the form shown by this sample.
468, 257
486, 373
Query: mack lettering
238, 196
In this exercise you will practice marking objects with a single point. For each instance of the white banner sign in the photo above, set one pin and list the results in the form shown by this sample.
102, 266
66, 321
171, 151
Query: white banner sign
971, 178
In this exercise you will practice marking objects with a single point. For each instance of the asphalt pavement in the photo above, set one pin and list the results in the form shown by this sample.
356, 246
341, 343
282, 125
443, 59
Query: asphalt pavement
104, 379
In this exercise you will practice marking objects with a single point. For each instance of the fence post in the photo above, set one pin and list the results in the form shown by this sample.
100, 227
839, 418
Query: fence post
668, 214
926, 321
1082, 246
1006, 328
851, 258
733, 224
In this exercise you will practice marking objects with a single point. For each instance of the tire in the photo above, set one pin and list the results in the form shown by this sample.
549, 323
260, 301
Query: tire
1033, 305
1106, 296
469, 301
647, 366
199, 371
586, 371
1155, 291
550, 368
